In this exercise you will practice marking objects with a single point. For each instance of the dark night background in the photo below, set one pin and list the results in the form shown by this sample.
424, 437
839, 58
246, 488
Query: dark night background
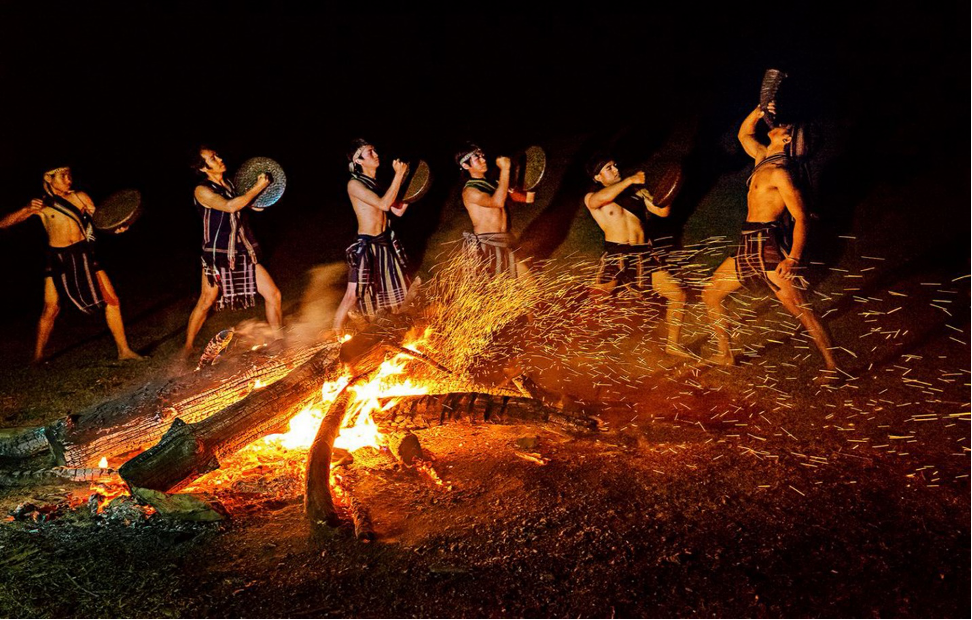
121, 92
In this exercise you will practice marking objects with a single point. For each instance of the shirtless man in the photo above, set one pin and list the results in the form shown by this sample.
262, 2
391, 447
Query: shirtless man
72, 269
630, 256
490, 241
761, 256
377, 278
231, 271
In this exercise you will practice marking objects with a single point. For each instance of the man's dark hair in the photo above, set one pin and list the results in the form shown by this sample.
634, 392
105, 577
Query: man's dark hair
353, 148
597, 162
465, 149
196, 161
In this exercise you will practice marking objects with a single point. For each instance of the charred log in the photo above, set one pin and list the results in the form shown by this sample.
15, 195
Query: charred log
318, 503
476, 408
140, 419
188, 450
22, 443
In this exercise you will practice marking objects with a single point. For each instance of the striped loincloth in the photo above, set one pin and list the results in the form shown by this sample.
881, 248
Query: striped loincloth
628, 265
377, 264
494, 251
761, 249
74, 270
237, 284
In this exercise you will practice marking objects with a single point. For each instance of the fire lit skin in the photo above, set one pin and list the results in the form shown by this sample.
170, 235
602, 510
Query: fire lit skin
214, 170
771, 192
62, 231
372, 213
621, 226
488, 211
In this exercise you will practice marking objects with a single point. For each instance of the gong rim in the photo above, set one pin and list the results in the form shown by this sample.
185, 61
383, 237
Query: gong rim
420, 180
119, 210
246, 178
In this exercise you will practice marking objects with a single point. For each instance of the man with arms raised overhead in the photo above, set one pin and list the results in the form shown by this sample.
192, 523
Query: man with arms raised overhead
762, 257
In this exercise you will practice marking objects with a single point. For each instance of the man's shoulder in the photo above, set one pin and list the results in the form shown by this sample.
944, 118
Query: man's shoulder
358, 184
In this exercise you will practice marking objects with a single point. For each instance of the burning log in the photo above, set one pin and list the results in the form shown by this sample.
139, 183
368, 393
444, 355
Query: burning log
360, 517
136, 421
58, 474
318, 503
476, 407
363, 530
188, 450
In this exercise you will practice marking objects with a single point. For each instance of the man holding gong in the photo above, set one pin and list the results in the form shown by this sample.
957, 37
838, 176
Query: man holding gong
627, 217
377, 276
72, 271
490, 241
231, 271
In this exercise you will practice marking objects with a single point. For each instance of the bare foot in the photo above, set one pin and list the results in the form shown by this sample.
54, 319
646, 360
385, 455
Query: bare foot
129, 355
679, 351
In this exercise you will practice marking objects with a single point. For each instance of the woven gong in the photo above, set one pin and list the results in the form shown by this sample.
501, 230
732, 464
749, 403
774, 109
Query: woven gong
418, 182
246, 178
527, 169
118, 210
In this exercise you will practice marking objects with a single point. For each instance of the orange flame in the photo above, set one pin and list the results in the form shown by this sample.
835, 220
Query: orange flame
288, 450
107, 491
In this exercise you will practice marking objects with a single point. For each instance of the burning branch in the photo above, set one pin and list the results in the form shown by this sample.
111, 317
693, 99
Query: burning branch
189, 450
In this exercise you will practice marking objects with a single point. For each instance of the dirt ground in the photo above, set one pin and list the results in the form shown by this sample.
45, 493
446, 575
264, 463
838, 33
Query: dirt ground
700, 496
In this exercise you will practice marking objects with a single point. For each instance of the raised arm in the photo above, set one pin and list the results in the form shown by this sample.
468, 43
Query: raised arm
795, 204
385, 202
20, 215
606, 195
747, 135
209, 198
496, 200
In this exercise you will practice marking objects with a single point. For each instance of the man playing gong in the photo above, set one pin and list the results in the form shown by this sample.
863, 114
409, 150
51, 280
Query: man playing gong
762, 256
231, 271
377, 276
630, 257
72, 271
490, 242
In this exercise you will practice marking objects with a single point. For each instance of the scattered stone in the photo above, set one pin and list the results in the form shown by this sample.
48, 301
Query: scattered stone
528, 442
124, 510
181, 506
341, 457
407, 448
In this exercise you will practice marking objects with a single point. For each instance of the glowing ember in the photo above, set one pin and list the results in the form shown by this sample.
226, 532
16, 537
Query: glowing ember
105, 492
103, 463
